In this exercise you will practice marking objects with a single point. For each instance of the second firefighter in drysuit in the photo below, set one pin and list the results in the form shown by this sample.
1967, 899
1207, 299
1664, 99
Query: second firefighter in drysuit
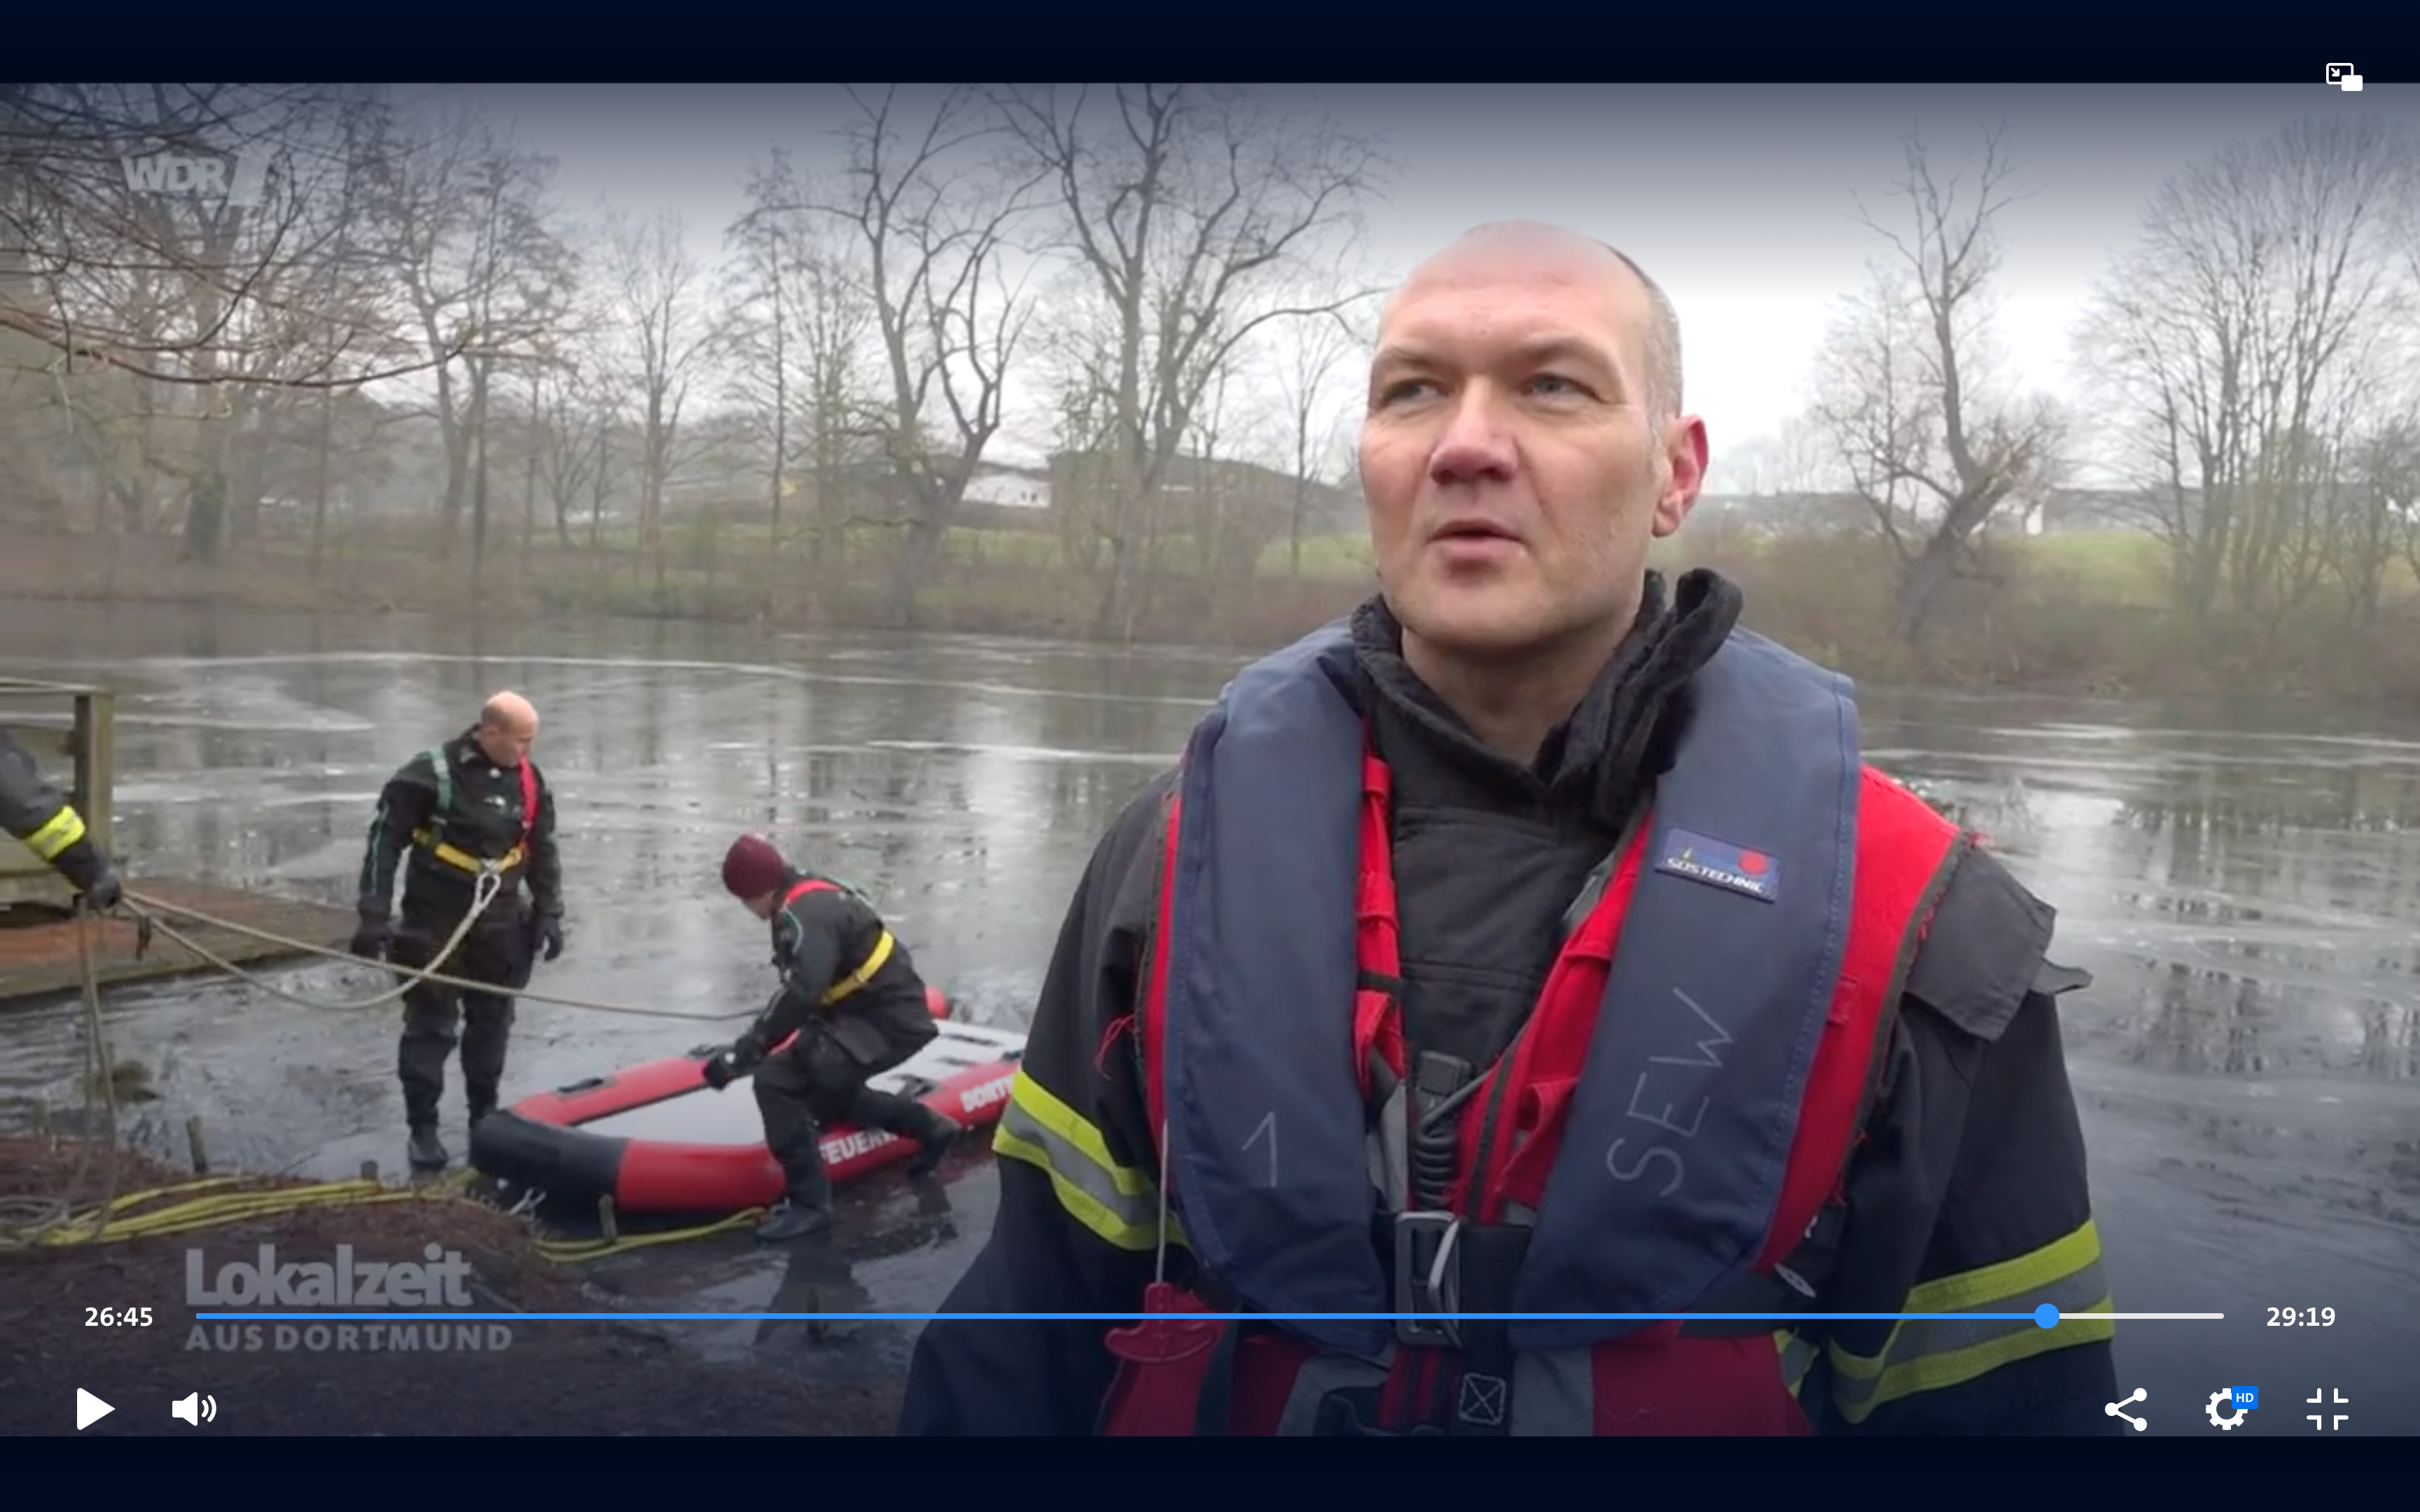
859, 1008
32, 811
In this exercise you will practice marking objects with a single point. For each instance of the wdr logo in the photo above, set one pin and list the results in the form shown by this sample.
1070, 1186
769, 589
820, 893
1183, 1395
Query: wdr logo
235, 181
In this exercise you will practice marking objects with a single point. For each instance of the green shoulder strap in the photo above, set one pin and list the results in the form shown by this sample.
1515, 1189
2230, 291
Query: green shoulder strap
444, 770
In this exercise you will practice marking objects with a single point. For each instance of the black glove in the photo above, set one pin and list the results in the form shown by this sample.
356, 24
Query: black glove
546, 935
719, 1073
747, 1053
105, 891
370, 938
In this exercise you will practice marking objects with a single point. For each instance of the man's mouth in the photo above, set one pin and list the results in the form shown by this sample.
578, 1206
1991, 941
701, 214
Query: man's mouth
1472, 531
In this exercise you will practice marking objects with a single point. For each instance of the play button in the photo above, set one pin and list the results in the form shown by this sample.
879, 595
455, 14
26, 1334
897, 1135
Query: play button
89, 1409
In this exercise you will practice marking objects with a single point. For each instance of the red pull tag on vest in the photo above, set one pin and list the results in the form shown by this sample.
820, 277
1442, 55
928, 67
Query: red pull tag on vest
1162, 1362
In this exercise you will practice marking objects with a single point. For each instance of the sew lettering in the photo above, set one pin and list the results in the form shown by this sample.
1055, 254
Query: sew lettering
1705, 1047
1706, 1060
1679, 1170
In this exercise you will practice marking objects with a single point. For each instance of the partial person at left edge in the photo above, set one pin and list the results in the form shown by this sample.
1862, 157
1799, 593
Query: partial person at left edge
471, 810
34, 810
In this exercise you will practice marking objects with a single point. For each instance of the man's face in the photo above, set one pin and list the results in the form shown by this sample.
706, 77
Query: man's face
761, 905
506, 744
1513, 473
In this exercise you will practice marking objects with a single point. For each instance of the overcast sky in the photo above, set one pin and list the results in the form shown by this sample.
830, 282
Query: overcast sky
1737, 199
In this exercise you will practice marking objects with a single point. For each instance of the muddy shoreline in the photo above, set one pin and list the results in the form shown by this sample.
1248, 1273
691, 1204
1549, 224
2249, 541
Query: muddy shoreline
113, 1318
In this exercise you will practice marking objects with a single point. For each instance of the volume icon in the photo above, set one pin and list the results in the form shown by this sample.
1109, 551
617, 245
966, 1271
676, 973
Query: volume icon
195, 1408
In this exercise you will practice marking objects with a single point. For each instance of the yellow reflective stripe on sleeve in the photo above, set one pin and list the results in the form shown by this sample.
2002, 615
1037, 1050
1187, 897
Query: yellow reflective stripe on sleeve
862, 975
61, 830
1927, 1354
1118, 1203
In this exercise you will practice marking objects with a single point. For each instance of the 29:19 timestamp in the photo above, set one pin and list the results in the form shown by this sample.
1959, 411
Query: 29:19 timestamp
118, 1317
2302, 1317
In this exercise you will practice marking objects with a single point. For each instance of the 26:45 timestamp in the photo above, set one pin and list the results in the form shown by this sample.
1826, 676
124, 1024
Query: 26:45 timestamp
118, 1317
2302, 1317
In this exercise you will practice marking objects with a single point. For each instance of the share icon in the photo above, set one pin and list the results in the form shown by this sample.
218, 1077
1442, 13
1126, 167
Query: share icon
2118, 1410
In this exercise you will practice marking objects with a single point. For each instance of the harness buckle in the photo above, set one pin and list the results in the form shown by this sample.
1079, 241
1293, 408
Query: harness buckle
1428, 1279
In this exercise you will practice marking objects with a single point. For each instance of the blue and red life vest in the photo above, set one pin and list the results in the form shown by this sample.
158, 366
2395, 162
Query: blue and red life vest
1661, 1137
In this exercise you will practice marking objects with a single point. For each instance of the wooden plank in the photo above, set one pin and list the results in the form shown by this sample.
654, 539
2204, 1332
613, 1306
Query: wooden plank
39, 951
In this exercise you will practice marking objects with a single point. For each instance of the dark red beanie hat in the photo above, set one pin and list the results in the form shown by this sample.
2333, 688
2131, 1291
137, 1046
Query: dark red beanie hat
753, 868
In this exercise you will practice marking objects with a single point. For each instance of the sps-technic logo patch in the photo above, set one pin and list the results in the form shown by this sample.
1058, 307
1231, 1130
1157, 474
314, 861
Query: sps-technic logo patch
1721, 864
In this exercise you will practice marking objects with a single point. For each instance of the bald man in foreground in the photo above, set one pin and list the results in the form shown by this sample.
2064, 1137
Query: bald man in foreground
1661, 1002
475, 807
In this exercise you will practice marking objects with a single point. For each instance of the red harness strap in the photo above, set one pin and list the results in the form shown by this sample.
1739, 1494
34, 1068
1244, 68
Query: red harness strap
1163, 1360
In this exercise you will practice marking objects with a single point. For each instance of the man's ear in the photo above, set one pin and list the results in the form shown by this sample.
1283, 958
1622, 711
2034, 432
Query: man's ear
1685, 455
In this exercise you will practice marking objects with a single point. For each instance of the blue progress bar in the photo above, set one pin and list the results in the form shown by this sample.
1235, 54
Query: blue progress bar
2046, 1315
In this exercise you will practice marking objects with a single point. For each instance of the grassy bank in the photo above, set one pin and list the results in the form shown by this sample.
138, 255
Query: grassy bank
547, 1378
2079, 612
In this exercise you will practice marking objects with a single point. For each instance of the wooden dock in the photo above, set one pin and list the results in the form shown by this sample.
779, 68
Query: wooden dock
39, 955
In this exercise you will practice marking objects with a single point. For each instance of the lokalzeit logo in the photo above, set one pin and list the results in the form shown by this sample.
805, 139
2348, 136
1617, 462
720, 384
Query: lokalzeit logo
348, 1283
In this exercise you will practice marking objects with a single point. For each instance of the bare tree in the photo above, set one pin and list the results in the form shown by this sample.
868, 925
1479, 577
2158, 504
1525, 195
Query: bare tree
2237, 346
1317, 368
179, 239
1929, 439
934, 212
655, 295
1192, 215
459, 218
800, 331
573, 419
1795, 461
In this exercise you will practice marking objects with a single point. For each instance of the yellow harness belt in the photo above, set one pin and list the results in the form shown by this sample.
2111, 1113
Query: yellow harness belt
454, 856
862, 975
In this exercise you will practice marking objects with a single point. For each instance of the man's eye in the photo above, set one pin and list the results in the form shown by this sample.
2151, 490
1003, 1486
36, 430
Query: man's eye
1402, 388
1557, 383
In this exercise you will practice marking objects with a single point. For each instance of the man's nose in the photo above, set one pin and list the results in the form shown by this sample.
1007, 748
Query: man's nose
1477, 443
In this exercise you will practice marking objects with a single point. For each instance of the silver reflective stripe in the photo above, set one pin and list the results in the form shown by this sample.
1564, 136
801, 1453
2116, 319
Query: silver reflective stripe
1390, 1153
1321, 1375
1125, 1213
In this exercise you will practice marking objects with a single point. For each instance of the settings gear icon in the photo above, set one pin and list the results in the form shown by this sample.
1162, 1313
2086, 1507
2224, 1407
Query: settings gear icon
2224, 1397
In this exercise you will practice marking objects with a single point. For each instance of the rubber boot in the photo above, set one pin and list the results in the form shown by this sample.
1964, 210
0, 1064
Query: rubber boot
909, 1120
938, 1135
425, 1151
807, 1208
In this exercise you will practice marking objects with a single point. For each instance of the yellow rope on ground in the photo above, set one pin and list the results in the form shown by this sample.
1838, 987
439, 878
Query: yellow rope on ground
118, 1219
295, 947
46, 1223
31, 1221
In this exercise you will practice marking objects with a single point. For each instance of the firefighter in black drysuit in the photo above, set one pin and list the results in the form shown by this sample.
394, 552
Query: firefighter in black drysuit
1971, 1159
858, 1008
32, 811
476, 802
